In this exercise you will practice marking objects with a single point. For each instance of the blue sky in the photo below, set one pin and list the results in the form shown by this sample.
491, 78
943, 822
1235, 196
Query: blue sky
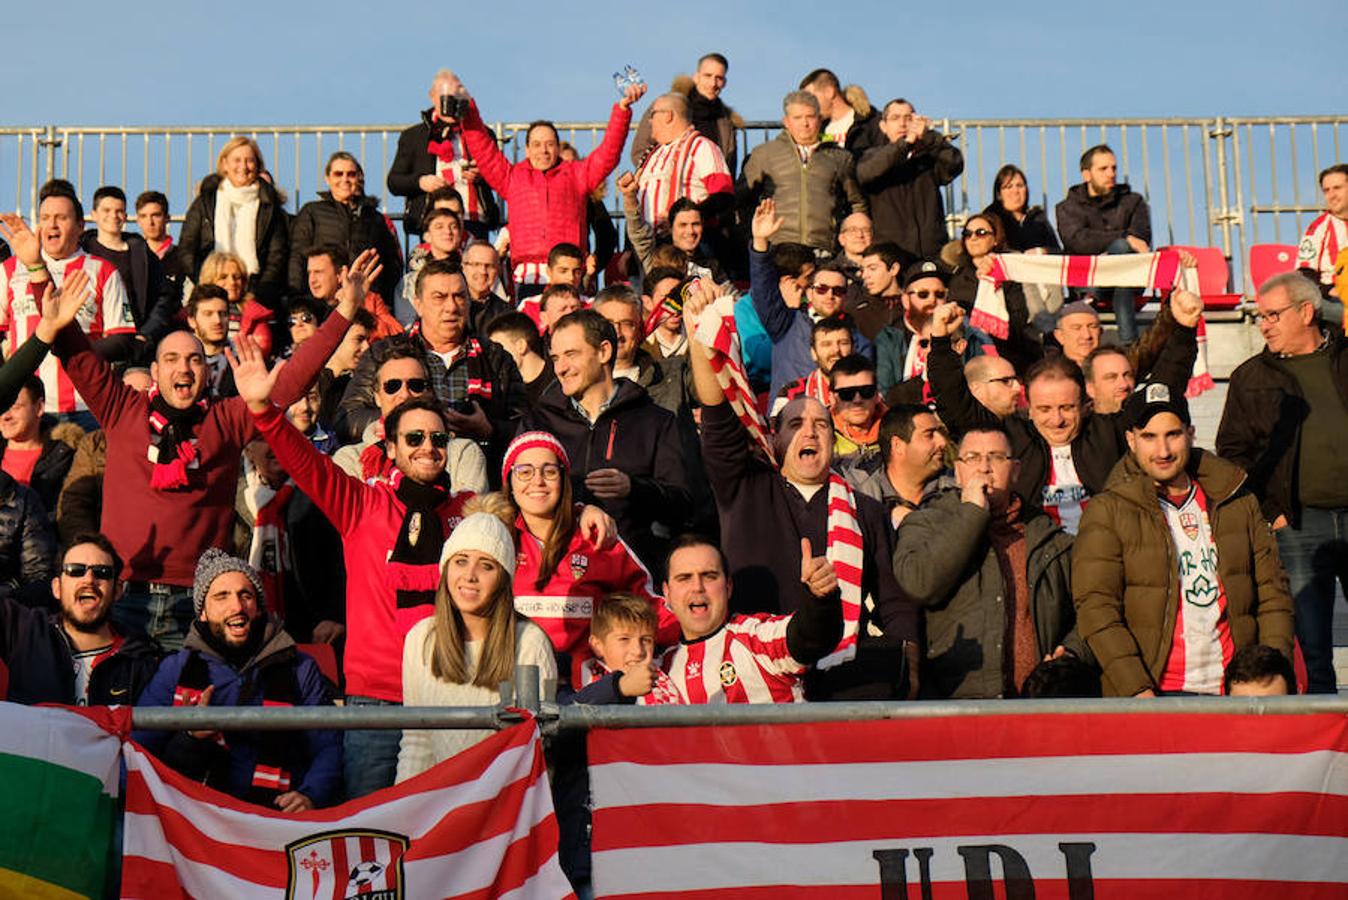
246, 62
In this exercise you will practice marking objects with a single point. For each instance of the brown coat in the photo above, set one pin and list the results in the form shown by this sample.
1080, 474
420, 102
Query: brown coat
1125, 580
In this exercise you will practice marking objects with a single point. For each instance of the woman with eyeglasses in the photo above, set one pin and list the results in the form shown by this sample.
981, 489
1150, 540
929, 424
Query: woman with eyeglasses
1027, 230
563, 572
473, 640
970, 257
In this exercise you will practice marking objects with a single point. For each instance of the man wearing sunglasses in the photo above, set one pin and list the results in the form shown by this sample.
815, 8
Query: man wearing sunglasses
400, 375
901, 348
856, 409
791, 294
75, 655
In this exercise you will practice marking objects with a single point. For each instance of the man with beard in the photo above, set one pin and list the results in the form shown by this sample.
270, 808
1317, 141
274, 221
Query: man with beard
913, 445
1174, 569
75, 656
239, 655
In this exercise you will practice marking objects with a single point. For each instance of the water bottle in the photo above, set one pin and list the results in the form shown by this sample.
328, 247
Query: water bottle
626, 78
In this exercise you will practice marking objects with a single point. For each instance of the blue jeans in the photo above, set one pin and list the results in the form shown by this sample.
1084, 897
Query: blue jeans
1124, 300
162, 611
369, 758
1315, 555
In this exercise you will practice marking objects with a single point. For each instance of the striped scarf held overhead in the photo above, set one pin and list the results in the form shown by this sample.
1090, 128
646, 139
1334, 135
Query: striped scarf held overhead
715, 330
1157, 272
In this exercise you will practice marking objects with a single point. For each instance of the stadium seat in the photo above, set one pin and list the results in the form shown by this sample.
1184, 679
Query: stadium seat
1214, 276
326, 657
1267, 260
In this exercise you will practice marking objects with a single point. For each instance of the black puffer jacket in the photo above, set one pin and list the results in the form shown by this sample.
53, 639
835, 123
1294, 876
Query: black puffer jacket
638, 438
53, 463
197, 240
1088, 225
902, 183
27, 544
41, 661
355, 228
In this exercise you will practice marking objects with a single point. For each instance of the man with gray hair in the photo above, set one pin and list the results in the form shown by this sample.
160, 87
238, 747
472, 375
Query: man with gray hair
809, 179
1286, 424
681, 163
238, 654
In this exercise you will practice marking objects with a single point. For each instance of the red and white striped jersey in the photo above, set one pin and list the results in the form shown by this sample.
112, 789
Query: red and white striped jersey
105, 312
1320, 245
1201, 647
690, 166
746, 661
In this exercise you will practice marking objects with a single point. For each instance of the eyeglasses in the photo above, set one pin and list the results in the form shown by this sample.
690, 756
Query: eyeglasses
996, 458
415, 385
414, 439
1272, 316
977, 232
837, 290
76, 570
1005, 380
527, 471
938, 293
855, 392
306, 318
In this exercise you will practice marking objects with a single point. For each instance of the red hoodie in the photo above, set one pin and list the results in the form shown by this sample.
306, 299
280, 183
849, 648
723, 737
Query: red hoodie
369, 518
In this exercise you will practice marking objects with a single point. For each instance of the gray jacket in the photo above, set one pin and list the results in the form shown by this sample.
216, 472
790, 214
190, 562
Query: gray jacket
963, 592
812, 197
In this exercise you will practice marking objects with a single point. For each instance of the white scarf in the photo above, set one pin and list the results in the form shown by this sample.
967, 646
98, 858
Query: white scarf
236, 222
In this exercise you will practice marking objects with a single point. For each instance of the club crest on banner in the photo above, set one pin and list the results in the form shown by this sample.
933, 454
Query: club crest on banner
353, 864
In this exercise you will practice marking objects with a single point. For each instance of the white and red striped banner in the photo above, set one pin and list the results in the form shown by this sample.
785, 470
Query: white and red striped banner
1054, 807
478, 825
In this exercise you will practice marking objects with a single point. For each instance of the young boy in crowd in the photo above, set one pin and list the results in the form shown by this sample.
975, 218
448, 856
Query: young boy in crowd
623, 669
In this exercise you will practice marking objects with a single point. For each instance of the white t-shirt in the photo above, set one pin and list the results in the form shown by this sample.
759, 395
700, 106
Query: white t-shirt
838, 128
1064, 496
84, 670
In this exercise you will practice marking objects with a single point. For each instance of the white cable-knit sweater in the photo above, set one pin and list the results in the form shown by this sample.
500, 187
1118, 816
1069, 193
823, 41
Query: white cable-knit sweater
423, 748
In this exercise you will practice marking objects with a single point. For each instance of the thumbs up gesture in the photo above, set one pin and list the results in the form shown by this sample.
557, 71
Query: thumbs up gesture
816, 572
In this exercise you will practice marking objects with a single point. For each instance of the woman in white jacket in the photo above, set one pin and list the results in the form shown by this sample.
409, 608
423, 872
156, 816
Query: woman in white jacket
473, 641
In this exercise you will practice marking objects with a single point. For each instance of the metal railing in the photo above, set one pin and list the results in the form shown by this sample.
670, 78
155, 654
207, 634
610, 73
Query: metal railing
527, 694
1228, 182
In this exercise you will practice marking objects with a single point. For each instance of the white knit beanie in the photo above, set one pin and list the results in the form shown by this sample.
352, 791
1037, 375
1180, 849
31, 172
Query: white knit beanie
484, 533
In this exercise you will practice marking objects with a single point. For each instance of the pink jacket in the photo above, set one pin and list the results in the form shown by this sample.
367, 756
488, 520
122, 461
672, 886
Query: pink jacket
546, 208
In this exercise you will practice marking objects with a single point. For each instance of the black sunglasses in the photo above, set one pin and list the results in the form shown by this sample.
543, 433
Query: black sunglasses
415, 385
977, 232
861, 391
924, 294
76, 570
837, 290
439, 439
306, 317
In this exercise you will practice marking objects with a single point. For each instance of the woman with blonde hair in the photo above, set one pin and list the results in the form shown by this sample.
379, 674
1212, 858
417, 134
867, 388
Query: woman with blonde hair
238, 211
246, 314
472, 642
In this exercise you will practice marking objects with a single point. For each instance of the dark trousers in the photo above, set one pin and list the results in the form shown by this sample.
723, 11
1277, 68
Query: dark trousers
1315, 555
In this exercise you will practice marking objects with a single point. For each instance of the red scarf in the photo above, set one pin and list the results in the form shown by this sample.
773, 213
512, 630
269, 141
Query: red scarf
267, 553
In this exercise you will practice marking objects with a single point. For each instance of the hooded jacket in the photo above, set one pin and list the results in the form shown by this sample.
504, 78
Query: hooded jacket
197, 240
355, 228
316, 753
902, 183
1125, 578
1088, 225
41, 661
635, 436
812, 197
964, 592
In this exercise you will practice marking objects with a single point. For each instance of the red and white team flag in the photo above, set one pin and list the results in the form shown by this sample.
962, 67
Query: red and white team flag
1054, 807
478, 825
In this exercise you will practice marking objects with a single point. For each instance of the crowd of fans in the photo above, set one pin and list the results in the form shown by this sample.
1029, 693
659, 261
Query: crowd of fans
273, 433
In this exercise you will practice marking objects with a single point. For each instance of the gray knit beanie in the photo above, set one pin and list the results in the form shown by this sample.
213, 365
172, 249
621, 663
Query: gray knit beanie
214, 563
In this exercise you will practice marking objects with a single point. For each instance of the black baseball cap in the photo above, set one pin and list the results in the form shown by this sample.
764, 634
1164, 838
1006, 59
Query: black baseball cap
1149, 399
927, 268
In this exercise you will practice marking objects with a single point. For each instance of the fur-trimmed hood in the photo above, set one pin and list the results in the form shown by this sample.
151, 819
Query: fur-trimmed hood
683, 84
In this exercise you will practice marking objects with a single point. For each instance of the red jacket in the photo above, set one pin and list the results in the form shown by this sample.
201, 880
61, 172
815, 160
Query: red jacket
161, 534
585, 574
369, 518
546, 208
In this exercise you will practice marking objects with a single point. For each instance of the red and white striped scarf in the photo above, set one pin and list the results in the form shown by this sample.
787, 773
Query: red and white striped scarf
715, 329
267, 551
1159, 271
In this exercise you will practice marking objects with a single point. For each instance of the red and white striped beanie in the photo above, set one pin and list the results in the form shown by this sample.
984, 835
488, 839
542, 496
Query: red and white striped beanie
528, 441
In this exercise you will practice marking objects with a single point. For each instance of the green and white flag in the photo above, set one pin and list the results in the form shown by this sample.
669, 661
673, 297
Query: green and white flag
59, 773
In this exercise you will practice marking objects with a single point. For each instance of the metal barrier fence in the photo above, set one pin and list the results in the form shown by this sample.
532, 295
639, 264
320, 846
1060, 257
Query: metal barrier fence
1225, 182
525, 694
